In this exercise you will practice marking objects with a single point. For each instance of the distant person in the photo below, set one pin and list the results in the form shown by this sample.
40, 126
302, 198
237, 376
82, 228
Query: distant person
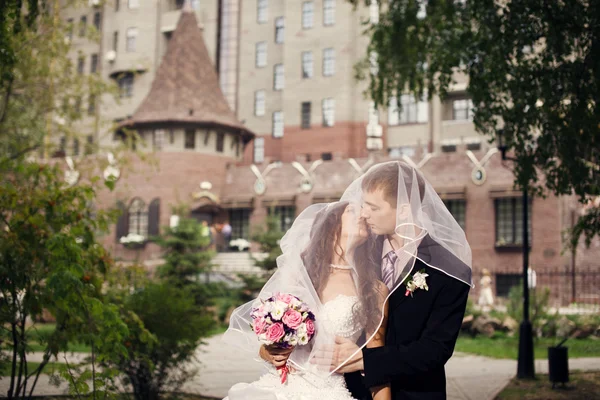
486, 298
226, 232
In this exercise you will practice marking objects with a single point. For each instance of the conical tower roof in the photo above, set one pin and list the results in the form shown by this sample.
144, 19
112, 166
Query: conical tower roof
186, 87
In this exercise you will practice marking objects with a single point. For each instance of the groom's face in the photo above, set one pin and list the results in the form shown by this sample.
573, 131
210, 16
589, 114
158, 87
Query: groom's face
379, 215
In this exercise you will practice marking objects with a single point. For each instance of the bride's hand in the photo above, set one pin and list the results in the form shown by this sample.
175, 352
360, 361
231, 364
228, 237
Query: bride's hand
344, 350
275, 355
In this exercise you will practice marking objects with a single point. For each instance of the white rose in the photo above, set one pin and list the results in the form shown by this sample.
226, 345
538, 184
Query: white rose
263, 339
419, 280
278, 309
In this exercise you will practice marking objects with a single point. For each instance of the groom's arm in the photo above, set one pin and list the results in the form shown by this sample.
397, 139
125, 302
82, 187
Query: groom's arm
431, 351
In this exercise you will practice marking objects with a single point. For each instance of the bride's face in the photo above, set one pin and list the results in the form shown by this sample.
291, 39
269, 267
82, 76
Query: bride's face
354, 227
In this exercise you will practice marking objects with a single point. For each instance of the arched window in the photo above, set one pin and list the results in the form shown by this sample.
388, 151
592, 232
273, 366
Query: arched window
138, 218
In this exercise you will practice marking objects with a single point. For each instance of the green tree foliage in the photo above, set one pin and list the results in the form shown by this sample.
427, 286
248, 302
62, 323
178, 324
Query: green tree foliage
268, 237
50, 260
533, 70
166, 327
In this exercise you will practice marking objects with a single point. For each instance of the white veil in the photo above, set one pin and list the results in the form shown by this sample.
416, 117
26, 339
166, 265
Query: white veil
421, 221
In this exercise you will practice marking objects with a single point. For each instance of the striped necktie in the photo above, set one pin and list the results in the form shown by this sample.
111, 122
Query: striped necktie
387, 269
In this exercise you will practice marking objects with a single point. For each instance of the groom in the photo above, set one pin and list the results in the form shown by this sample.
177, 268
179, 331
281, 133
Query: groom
422, 329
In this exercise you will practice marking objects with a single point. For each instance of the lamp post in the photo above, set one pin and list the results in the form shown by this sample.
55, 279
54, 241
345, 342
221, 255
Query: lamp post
525, 365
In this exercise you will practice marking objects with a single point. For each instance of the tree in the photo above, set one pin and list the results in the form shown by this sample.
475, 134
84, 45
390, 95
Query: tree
50, 260
268, 238
184, 252
533, 71
166, 326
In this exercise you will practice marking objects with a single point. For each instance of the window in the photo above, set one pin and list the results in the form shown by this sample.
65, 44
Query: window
448, 148
138, 218
278, 124
462, 109
77, 105
91, 105
133, 3
82, 25
80, 65
259, 103
171, 136
94, 64
474, 146
328, 112
305, 115
220, 142
117, 5
458, 210
261, 54
190, 139
509, 222
158, 139
131, 37
328, 62
125, 83
97, 21
278, 77
70, 29
504, 282
239, 219
115, 46
412, 111
279, 29
75, 147
176, 4
328, 12
262, 11
286, 215
89, 145
326, 156
307, 64
259, 150
308, 14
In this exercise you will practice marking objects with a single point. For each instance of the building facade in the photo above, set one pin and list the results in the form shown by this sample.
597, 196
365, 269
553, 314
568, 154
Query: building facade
254, 106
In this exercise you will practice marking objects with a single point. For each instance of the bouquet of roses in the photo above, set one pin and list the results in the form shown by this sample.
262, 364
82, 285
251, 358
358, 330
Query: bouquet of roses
283, 321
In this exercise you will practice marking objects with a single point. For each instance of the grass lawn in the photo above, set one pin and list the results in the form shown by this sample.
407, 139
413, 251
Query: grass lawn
508, 347
38, 331
582, 386
5, 369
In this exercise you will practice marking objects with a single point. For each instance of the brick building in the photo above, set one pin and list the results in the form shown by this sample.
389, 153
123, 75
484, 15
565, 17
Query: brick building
251, 106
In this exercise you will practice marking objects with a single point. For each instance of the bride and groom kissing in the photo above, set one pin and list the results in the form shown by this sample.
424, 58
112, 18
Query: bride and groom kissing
387, 272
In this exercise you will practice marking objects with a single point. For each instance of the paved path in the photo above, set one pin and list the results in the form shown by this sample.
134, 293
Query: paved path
469, 377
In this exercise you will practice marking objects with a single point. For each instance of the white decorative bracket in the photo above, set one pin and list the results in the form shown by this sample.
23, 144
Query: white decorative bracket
479, 175
71, 175
421, 163
308, 181
360, 170
260, 186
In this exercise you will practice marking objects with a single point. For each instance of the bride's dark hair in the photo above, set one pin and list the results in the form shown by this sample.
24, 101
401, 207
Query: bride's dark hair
319, 254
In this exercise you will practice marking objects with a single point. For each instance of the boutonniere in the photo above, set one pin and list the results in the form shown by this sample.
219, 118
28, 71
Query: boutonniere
416, 281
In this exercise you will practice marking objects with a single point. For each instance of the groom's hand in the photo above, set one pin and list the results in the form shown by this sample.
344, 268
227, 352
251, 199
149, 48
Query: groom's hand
276, 356
344, 349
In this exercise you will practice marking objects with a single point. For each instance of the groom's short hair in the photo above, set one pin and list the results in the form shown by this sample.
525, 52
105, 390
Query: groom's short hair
385, 178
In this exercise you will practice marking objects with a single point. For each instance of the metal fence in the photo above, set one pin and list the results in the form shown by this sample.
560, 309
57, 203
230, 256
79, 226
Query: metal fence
578, 290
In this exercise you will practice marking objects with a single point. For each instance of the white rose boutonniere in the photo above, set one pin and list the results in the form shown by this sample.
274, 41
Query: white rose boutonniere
416, 281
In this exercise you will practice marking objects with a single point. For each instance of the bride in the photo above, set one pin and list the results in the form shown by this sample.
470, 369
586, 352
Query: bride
325, 263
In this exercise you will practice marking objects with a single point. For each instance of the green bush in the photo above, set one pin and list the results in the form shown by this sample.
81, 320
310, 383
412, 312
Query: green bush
166, 326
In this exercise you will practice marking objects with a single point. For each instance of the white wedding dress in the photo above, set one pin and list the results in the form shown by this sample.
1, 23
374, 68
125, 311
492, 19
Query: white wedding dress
312, 384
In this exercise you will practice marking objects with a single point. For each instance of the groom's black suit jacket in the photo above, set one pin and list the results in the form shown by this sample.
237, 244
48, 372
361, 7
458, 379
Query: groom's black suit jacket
421, 333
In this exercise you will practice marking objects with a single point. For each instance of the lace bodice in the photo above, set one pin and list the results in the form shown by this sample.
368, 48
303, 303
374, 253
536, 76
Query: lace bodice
338, 317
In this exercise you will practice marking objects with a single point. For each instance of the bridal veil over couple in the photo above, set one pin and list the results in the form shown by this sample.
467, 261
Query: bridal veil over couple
386, 271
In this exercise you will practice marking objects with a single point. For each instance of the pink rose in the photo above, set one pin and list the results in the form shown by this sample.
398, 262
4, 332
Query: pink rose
286, 298
310, 327
292, 318
259, 325
275, 332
